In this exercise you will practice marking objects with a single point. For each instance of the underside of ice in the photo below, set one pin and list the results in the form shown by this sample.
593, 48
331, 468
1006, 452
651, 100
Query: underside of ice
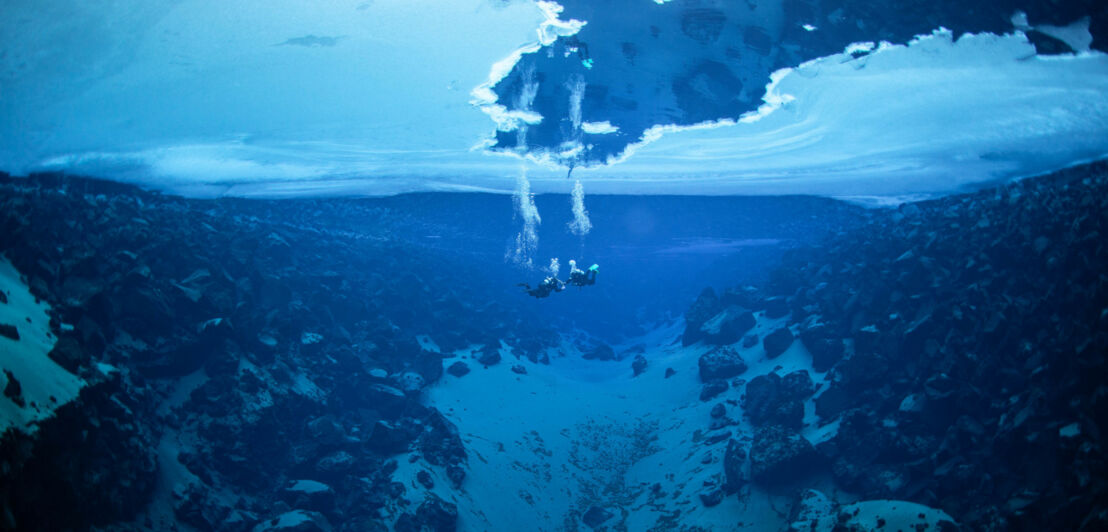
377, 98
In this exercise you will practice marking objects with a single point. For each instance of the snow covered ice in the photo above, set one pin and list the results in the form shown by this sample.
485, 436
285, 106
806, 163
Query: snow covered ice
378, 98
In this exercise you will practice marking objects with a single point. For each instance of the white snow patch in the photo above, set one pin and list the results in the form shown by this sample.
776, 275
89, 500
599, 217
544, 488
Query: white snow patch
1072, 430
309, 486
894, 515
44, 384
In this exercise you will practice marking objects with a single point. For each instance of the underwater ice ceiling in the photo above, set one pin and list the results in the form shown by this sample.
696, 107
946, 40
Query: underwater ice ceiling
841, 98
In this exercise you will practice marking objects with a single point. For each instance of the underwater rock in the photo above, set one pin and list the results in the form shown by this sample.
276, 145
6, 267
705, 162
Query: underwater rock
440, 442
833, 401
638, 366
436, 515
777, 342
9, 331
309, 495
771, 399
424, 478
717, 437
198, 507
728, 326
519, 369
600, 352
781, 456
13, 390
596, 516
69, 353
720, 363
337, 463
410, 382
458, 369
813, 511
97, 433
733, 459
703, 309
456, 474
718, 411
712, 388
388, 438
711, 498
670, 372
388, 401
797, 384
826, 350
490, 355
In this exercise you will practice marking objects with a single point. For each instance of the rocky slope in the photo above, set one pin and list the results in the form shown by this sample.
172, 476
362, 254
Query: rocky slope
245, 364
966, 341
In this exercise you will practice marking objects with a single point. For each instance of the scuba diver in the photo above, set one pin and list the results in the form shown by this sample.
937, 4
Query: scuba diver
579, 278
548, 285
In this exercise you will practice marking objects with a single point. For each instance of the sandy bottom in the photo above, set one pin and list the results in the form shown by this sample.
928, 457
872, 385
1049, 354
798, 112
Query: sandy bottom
546, 446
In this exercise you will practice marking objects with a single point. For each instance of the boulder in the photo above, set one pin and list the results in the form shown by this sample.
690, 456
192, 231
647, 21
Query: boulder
797, 385
813, 511
196, 506
600, 352
490, 355
720, 363
777, 342
767, 402
703, 309
424, 478
826, 350
712, 389
456, 474
638, 366
458, 369
440, 442
781, 456
9, 331
596, 516
728, 326
711, 498
334, 464
390, 438
733, 459
388, 401
437, 515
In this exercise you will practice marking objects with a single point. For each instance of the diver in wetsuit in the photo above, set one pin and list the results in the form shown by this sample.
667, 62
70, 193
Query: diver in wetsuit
548, 285
579, 278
